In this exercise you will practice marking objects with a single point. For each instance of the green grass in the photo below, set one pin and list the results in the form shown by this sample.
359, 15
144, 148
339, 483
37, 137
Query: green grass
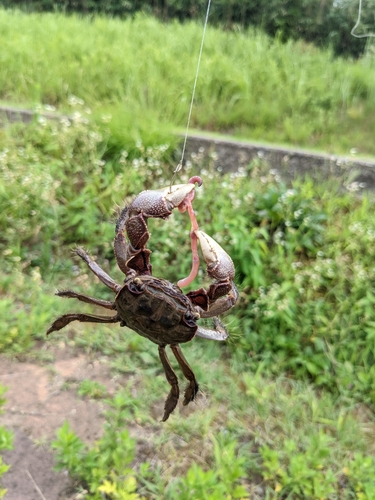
141, 72
256, 438
287, 404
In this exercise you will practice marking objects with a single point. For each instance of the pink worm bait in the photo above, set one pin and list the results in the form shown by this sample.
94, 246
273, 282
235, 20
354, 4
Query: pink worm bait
187, 205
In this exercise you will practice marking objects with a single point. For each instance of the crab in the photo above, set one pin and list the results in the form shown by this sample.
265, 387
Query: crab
153, 307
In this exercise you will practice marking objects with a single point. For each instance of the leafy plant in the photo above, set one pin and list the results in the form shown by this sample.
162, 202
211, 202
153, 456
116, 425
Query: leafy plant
104, 468
304, 257
20, 294
222, 480
360, 472
300, 472
91, 389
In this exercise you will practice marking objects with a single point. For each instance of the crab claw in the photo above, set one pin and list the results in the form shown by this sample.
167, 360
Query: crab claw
219, 265
161, 202
222, 293
133, 221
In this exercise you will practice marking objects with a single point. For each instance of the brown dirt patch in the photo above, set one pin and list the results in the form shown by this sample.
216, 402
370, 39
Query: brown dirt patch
39, 399
42, 395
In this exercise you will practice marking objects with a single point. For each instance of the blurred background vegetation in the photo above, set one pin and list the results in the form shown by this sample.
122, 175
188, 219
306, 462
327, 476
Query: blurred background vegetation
292, 393
325, 23
140, 72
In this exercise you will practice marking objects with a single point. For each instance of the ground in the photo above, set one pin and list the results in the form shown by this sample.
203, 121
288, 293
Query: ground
39, 399
41, 395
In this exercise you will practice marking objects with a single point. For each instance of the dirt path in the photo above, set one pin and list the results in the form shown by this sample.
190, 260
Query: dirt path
38, 401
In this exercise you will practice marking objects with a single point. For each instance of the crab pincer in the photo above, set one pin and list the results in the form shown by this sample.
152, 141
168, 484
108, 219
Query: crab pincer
157, 204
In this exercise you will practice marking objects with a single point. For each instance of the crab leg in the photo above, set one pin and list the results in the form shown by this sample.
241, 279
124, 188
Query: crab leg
97, 270
174, 394
65, 319
120, 245
219, 333
192, 388
85, 298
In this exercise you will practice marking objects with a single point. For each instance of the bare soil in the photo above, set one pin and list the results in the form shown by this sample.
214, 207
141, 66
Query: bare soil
39, 399
41, 395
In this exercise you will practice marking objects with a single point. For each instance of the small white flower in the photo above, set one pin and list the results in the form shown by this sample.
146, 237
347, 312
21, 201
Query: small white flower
42, 120
65, 121
49, 107
297, 265
353, 187
106, 118
75, 101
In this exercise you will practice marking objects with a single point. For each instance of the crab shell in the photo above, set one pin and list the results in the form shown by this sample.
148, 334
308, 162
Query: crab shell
156, 309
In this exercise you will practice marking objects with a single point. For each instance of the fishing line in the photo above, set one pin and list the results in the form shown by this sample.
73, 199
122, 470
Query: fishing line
357, 24
179, 165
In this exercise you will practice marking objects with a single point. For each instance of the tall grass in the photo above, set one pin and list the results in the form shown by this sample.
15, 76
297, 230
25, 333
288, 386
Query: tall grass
141, 71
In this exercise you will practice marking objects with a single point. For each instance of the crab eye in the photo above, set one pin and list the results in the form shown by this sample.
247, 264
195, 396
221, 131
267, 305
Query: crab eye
191, 318
136, 286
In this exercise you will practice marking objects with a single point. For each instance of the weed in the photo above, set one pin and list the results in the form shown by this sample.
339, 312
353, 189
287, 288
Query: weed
21, 294
302, 473
222, 480
360, 472
103, 469
91, 389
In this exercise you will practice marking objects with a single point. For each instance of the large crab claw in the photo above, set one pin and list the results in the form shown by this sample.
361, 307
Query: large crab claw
133, 220
160, 203
222, 293
219, 265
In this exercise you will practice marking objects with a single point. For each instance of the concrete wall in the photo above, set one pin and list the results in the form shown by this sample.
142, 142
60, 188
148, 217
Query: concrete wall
229, 155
